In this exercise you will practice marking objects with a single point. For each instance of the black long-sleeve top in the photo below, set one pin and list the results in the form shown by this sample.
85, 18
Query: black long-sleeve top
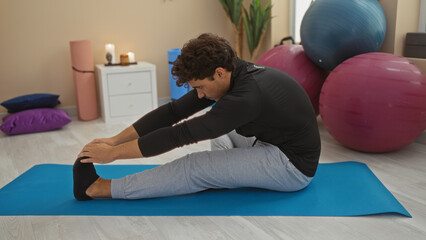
261, 102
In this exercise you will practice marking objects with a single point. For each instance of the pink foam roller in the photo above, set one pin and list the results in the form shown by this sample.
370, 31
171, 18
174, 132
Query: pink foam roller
84, 79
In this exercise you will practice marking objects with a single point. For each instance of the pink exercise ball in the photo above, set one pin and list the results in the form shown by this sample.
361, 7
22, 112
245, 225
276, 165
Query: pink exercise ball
374, 102
292, 60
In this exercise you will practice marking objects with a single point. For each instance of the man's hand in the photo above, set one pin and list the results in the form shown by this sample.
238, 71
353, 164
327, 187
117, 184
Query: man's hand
98, 152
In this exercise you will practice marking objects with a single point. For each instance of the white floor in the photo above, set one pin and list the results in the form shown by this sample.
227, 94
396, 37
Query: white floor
403, 172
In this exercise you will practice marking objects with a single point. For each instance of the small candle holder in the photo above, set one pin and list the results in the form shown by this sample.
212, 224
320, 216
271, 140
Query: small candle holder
124, 59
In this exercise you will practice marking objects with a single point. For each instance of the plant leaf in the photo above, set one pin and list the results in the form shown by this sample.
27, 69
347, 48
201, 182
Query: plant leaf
233, 8
256, 23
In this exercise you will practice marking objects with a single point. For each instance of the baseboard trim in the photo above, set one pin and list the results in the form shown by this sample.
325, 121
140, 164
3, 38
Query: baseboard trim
71, 110
422, 138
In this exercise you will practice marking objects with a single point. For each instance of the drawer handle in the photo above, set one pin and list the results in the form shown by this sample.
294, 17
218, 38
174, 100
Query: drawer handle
129, 84
130, 105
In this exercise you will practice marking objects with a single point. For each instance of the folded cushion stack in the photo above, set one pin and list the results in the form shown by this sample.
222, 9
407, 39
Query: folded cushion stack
33, 113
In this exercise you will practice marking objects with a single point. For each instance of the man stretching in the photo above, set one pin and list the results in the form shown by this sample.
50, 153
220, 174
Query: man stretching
263, 127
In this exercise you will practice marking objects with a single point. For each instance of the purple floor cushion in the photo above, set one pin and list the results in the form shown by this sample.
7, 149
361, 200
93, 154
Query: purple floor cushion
34, 120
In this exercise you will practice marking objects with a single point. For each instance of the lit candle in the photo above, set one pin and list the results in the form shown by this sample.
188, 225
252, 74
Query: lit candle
110, 48
131, 57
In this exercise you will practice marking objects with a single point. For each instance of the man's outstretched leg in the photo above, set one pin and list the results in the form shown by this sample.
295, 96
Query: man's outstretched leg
261, 166
87, 183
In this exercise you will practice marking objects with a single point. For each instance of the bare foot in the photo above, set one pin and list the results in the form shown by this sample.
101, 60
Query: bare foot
101, 188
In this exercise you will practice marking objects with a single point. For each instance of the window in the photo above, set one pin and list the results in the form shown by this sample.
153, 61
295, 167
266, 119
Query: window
422, 17
298, 9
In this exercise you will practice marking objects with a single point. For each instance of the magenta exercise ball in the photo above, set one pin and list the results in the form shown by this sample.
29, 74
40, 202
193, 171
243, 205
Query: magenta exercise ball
292, 60
374, 102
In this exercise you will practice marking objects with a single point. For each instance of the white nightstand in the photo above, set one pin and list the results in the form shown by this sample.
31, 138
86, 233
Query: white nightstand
127, 92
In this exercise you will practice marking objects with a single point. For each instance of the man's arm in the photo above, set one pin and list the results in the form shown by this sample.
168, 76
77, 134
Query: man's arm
171, 113
127, 150
126, 135
125, 144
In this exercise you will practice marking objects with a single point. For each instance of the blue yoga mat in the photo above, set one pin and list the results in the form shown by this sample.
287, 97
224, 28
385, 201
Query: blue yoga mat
338, 189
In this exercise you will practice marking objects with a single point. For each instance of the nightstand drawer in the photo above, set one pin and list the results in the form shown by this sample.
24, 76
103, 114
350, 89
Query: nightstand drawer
130, 104
131, 82
127, 93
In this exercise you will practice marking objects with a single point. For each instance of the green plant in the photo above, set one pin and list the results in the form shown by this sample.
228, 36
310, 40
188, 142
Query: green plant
234, 10
256, 23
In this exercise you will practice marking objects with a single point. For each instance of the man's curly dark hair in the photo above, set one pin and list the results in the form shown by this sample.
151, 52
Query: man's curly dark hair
201, 56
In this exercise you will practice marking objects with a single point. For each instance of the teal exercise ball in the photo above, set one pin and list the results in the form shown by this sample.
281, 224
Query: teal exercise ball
335, 30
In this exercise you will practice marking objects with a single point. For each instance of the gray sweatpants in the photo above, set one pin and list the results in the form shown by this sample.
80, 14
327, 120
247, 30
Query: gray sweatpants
232, 163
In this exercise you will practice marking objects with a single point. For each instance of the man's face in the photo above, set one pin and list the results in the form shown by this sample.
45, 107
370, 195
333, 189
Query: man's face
212, 89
